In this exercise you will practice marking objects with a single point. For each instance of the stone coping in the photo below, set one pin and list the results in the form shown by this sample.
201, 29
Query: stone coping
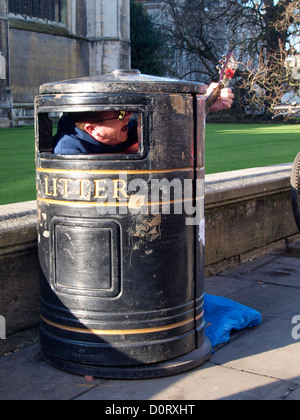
18, 227
229, 187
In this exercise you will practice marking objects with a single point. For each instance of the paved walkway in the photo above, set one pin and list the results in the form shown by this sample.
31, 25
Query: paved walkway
257, 364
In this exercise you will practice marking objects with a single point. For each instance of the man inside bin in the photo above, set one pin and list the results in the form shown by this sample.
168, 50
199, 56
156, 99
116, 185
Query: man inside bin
109, 131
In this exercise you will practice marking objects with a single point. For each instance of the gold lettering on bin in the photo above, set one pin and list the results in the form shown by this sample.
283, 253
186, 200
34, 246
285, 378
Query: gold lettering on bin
65, 183
79, 188
100, 189
82, 191
121, 189
51, 187
47, 192
54, 187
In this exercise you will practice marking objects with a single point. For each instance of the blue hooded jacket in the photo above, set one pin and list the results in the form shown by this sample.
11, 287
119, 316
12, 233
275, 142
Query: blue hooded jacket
70, 140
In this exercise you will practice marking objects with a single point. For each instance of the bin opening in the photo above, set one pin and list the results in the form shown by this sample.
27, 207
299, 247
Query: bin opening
101, 132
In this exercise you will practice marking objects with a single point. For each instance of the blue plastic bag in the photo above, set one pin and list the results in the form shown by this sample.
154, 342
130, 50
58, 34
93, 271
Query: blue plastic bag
223, 315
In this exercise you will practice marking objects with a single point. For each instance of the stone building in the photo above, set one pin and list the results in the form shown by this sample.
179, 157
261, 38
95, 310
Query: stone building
49, 40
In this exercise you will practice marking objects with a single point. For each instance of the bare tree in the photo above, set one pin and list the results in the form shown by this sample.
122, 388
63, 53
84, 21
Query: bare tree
198, 35
262, 33
269, 78
268, 81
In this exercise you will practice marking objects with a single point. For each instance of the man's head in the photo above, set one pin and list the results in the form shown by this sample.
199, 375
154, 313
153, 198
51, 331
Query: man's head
107, 127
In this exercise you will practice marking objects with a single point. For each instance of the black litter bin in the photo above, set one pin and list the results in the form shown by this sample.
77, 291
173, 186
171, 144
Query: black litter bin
121, 236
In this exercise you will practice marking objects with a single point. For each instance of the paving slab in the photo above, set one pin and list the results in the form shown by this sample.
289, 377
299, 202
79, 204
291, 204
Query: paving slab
294, 395
283, 271
250, 266
226, 286
270, 300
269, 350
25, 376
209, 382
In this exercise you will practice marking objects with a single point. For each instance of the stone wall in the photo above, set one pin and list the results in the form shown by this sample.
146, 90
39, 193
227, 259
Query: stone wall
248, 213
19, 274
45, 58
94, 38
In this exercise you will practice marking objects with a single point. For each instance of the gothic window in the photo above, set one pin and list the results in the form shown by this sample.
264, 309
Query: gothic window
53, 10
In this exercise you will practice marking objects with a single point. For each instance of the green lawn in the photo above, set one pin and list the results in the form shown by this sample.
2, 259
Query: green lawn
239, 146
17, 165
228, 147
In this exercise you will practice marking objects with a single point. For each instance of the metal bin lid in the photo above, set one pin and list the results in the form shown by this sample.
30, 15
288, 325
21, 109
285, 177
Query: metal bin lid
123, 81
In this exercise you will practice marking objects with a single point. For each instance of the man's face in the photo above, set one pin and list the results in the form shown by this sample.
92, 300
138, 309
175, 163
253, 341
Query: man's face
109, 129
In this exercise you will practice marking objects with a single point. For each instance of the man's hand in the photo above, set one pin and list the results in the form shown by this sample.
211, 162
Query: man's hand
224, 102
